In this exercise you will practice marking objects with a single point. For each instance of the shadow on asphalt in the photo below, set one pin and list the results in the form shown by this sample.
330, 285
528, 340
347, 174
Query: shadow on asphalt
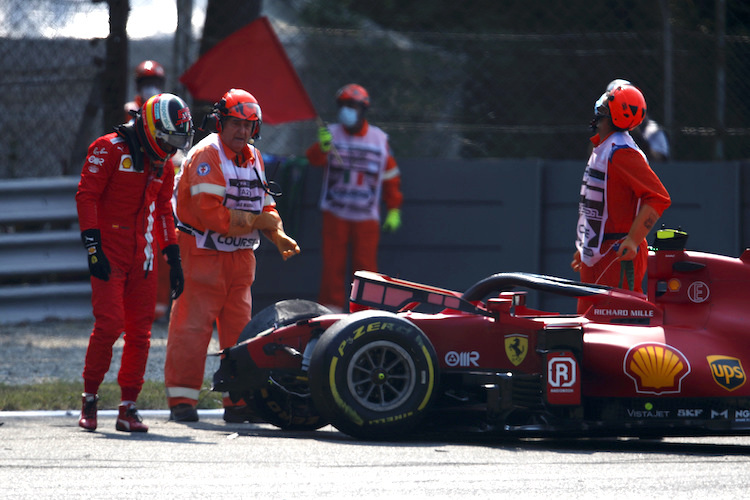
701, 446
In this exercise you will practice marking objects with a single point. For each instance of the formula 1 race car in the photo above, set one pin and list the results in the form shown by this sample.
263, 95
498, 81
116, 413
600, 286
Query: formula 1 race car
668, 363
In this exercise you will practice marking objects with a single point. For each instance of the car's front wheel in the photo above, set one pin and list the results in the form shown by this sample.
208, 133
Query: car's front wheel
281, 314
284, 400
287, 409
373, 375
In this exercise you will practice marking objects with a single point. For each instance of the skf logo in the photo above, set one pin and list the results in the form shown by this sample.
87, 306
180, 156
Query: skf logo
727, 372
453, 358
516, 347
126, 164
656, 368
689, 412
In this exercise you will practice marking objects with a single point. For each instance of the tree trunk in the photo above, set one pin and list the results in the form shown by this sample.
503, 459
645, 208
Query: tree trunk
116, 64
223, 17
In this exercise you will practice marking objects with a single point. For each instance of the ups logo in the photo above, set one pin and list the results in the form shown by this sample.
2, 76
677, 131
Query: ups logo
727, 372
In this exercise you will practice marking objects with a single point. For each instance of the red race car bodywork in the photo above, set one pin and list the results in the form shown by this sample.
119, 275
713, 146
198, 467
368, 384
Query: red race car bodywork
666, 363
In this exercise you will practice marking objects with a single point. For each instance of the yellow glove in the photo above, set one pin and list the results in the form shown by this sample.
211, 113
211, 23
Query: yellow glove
324, 139
392, 220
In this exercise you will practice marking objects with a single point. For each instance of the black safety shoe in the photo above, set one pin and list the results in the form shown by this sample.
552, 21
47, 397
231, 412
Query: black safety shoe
183, 412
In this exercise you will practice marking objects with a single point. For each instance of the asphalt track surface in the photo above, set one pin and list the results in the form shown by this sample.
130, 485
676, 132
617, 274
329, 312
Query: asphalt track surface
45, 455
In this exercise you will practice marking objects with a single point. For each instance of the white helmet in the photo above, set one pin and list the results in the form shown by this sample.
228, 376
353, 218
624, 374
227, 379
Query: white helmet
618, 82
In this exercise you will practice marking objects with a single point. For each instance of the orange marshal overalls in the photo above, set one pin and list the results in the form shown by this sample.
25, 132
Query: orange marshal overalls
219, 270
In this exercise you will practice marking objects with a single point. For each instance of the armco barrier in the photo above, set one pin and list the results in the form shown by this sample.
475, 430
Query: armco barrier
462, 221
43, 272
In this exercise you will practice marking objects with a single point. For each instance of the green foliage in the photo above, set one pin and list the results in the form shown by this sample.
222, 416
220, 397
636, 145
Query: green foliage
484, 16
61, 395
331, 14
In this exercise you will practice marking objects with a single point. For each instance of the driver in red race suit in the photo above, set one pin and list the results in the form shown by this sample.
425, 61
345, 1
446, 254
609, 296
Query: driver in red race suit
223, 204
124, 209
621, 197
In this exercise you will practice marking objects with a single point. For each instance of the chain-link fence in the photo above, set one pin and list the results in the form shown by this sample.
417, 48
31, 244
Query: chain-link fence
473, 79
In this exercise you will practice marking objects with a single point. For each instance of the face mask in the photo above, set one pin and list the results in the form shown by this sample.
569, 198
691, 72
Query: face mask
348, 116
149, 91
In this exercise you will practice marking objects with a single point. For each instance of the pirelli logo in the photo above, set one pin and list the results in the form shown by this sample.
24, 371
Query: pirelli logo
727, 372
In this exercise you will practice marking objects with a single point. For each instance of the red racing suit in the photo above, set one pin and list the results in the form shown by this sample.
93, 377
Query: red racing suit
219, 269
133, 212
359, 170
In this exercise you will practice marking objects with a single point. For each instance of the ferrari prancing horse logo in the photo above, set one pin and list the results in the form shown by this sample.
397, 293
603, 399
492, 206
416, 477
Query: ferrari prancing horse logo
516, 347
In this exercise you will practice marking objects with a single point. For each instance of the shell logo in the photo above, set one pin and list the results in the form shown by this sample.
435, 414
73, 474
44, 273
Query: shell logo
126, 164
656, 368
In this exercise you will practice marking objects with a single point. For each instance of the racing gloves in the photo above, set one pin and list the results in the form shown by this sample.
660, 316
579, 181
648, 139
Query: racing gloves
176, 278
324, 139
392, 220
98, 264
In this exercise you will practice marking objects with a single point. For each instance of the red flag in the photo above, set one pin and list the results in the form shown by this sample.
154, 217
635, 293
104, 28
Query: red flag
253, 59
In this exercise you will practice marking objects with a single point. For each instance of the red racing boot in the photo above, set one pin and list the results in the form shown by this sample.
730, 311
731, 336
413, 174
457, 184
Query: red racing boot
129, 420
88, 412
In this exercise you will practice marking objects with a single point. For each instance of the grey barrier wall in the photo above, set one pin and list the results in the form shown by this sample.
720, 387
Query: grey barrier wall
462, 221
465, 220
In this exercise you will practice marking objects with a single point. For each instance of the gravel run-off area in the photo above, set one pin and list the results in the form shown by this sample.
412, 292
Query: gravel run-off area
35, 352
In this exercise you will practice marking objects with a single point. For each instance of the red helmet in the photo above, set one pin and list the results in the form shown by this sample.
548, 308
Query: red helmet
625, 104
149, 69
355, 93
163, 125
239, 104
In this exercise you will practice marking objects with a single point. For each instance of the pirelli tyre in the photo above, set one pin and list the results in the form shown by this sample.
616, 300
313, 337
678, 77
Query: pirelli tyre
373, 375
280, 314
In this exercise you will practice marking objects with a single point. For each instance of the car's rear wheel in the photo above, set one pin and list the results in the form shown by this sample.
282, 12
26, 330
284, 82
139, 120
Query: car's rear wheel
373, 375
